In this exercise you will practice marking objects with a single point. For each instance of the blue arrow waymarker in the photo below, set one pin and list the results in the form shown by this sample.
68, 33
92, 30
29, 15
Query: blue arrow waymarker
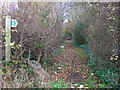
13, 23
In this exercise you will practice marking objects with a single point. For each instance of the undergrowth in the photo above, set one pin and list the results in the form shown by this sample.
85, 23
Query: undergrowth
108, 74
59, 84
19, 72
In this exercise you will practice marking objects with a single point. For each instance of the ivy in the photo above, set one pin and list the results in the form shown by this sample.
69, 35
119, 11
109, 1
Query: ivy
106, 73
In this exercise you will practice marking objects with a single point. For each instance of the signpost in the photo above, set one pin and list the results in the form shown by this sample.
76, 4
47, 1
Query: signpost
14, 23
7, 38
8, 24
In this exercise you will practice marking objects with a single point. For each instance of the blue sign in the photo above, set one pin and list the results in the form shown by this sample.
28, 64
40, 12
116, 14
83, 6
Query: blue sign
13, 23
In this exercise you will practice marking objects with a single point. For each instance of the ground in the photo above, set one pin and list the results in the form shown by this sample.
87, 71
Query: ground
67, 68
73, 67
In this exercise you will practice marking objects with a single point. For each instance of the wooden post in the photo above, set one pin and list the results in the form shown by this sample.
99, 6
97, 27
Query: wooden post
7, 44
7, 38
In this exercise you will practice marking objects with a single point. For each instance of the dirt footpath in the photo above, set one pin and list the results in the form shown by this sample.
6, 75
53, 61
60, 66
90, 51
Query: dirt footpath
70, 60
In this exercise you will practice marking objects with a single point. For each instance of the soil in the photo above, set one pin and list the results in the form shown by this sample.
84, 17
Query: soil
70, 63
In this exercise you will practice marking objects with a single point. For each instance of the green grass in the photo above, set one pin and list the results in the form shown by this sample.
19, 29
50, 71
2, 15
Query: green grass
59, 84
82, 54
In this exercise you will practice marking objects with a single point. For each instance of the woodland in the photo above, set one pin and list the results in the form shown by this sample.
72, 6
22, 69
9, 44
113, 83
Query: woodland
60, 45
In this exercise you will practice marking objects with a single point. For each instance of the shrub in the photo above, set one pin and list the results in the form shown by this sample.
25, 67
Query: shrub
67, 35
79, 34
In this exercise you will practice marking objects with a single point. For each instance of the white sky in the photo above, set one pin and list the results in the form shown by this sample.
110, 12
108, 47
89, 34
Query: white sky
59, 0
65, 21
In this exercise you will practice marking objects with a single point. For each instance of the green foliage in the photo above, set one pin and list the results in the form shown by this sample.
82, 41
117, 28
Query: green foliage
107, 73
23, 65
13, 46
9, 63
49, 62
67, 35
102, 85
82, 53
87, 49
28, 69
40, 45
91, 83
45, 19
79, 34
14, 65
4, 70
52, 60
60, 84
58, 51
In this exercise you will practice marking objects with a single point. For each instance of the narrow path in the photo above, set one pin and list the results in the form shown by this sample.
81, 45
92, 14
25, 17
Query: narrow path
70, 64
74, 58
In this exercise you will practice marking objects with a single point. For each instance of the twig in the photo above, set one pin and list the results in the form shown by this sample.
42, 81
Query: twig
39, 58
21, 53
29, 54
